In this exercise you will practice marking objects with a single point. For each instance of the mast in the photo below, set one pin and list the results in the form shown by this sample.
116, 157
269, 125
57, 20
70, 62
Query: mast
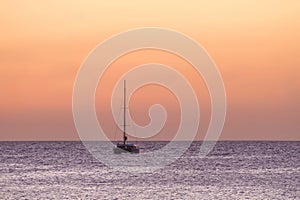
124, 129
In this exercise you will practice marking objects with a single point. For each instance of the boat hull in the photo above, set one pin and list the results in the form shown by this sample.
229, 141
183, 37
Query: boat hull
126, 148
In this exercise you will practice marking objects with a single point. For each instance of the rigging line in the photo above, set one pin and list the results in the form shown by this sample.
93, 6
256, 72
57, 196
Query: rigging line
116, 124
134, 130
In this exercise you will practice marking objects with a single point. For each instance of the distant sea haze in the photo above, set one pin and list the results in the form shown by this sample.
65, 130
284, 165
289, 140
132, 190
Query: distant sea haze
233, 170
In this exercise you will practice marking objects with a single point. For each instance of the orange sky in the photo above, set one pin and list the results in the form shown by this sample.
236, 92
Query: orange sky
255, 45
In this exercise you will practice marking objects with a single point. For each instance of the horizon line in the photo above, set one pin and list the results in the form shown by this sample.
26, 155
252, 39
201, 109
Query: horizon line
150, 141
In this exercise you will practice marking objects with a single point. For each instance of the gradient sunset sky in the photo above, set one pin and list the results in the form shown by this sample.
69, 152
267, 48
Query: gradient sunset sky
255, 44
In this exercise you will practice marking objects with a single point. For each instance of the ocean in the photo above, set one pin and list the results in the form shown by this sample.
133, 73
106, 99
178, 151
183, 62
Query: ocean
233, 170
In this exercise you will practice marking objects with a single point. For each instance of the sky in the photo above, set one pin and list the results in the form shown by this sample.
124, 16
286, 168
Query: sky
255, 44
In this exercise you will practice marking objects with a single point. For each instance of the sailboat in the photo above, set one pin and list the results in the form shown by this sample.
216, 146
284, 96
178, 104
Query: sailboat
125, 147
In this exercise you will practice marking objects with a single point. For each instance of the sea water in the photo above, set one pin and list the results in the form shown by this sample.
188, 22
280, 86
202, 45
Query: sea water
233, 170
